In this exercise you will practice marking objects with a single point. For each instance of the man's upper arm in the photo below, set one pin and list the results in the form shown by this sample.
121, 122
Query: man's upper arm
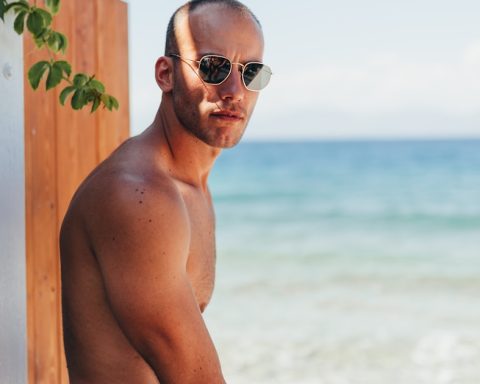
141, 239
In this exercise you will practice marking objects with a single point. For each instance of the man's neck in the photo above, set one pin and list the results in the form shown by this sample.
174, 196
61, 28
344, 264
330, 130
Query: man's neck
187, 158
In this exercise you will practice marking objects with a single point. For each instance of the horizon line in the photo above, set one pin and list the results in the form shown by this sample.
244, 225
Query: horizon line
358, 139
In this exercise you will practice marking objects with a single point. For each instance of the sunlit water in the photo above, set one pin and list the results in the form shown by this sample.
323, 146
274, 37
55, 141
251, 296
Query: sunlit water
348, 263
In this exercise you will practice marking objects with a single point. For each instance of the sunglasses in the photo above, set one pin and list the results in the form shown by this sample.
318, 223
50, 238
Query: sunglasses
215, 69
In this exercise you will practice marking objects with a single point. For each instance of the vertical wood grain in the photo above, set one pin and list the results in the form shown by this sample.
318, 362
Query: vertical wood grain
112, 68
76, 130
61, 147
41, 211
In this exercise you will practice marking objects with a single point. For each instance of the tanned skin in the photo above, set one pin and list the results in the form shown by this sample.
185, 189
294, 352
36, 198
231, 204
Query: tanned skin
138, 241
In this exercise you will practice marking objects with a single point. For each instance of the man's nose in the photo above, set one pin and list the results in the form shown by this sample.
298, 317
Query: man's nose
232, 87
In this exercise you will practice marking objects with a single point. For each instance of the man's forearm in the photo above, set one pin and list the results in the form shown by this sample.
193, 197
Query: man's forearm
186, 363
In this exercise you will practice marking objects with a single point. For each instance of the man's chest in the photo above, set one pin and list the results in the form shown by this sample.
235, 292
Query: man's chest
202, 250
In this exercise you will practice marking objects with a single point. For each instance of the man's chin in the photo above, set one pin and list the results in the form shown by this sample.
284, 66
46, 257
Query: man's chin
221, 137
224, 142
224, 138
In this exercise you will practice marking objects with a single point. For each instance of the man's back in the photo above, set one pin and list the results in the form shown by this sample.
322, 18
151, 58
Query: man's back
121, 223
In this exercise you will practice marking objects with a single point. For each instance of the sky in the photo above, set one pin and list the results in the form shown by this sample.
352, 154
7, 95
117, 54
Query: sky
343, 69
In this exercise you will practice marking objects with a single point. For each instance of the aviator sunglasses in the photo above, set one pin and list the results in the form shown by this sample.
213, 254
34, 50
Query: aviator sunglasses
215, 69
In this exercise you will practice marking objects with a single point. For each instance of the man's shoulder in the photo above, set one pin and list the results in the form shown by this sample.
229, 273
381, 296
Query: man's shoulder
115, 193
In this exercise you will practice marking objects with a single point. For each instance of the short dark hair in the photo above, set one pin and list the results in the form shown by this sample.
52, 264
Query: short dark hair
171, 45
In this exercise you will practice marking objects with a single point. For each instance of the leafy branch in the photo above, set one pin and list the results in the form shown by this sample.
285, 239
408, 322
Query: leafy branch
85, 89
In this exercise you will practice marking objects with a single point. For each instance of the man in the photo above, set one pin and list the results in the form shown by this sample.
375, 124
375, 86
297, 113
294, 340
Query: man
137, 243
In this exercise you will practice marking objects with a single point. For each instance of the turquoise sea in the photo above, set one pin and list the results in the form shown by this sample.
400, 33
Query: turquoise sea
348, 262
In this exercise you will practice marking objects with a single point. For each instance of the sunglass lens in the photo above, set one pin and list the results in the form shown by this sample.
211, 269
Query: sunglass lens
214, 69
256, 76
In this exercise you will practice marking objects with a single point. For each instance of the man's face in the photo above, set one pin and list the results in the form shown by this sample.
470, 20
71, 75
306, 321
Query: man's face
216, 114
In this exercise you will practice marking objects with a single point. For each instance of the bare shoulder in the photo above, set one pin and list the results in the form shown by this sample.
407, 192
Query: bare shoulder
130, 204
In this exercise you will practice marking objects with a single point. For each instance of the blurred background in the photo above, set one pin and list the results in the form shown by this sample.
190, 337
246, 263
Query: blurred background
343, 69
348, 220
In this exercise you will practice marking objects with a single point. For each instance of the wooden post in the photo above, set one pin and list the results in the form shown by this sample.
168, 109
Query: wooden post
61, 147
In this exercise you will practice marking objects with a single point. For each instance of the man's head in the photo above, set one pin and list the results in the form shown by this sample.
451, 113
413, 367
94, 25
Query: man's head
217, 114
171, 45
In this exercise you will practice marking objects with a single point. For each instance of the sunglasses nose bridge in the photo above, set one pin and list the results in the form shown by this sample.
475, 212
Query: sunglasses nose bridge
233, 84
240, 68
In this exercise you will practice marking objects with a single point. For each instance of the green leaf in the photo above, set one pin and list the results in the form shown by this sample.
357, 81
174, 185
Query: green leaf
62, 42
20, 3
40, 39
54, 5
44, 34
110, 102
38, 42
54, 76
19, 23
36, 72
35, 23
115, 103
90, 95
46, 16
64, 94
57, 42
3, 5
97, 85
80, 80
65, 67
105, 100
96, 104
78, 99
17, 6
52, 41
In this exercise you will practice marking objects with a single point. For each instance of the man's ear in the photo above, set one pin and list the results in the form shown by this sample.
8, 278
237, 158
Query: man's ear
164, 73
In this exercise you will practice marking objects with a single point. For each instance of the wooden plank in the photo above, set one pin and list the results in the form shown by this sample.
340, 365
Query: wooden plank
65, 119
65, 166
112, 69
41, 206
86, 59
76, 130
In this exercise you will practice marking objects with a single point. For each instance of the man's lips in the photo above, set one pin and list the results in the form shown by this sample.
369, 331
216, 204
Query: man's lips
228, 115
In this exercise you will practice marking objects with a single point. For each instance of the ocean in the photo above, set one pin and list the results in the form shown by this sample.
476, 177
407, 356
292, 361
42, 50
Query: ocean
348, 262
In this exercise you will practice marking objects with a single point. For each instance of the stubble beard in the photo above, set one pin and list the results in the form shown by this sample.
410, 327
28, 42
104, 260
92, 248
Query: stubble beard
189, 116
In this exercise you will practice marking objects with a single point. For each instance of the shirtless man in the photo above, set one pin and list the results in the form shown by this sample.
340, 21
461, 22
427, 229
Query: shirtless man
138, 243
